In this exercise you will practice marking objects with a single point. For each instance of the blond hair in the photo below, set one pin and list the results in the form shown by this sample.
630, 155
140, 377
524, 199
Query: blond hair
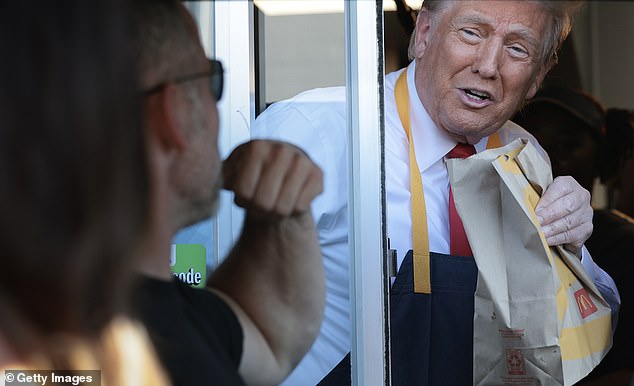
562, 15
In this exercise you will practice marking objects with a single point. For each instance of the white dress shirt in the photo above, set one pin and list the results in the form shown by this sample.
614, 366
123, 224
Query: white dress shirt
316, 122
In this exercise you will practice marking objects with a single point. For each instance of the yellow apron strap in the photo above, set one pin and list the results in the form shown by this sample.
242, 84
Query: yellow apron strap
494, 141
420, 237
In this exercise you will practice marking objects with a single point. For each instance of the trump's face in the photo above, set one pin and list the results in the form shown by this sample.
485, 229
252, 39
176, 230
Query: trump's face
477, 61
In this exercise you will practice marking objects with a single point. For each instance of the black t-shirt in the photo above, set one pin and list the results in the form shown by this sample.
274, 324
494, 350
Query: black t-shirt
196, 335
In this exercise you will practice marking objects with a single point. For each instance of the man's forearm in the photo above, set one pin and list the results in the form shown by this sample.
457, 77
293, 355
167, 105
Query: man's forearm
275, 274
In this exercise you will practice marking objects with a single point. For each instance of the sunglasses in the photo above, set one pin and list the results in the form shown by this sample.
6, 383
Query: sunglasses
215, 75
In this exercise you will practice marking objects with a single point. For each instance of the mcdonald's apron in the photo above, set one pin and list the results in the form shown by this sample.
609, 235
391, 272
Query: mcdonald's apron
420, 357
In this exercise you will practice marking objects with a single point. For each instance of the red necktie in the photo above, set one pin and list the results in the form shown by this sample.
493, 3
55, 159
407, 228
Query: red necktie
458, 243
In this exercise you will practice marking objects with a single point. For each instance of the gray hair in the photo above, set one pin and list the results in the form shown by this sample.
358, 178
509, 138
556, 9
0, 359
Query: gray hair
562, 15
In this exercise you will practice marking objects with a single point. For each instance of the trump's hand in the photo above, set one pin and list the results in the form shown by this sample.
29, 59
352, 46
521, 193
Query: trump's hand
565, 214
272, 178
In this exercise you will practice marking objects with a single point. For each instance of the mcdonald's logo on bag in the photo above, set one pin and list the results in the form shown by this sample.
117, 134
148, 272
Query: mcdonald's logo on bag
585, 304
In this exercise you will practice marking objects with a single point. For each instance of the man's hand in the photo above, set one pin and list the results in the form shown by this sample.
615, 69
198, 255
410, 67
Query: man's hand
565, 214
271, 178
273, 278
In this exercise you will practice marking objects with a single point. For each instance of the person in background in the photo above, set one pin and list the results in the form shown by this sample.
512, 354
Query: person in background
73, 191
474, 63
587, 141
264, 303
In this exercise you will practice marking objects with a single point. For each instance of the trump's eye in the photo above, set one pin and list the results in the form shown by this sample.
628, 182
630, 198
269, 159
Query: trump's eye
518, 51
471, 35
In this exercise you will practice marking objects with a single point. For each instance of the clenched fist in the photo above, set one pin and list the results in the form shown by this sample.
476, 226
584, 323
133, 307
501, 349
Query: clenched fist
272, 178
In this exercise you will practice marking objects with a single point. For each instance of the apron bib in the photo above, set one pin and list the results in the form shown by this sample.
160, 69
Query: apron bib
419, 357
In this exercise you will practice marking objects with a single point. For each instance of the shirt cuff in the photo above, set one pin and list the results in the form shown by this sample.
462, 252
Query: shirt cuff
604, 283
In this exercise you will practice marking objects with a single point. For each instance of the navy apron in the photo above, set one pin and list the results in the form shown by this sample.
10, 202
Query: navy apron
444, 358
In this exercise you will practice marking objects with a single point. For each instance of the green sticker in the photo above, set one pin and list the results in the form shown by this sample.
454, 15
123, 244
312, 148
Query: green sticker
189, 263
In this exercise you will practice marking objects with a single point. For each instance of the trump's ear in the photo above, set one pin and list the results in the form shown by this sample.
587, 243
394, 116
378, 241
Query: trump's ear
423, 23
164, 111
537, 82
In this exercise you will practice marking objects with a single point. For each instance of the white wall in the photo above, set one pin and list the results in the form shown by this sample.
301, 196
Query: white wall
303, 52
604, 41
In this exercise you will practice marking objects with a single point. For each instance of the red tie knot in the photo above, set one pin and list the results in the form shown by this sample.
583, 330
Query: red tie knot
461, 150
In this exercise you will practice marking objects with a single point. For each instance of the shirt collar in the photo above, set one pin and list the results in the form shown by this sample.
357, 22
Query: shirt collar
430, 142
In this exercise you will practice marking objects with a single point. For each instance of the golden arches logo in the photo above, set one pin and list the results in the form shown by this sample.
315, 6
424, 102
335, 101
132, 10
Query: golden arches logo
585, 304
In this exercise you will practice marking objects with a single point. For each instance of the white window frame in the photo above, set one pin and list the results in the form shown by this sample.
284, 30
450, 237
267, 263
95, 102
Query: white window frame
233, 45
367, 242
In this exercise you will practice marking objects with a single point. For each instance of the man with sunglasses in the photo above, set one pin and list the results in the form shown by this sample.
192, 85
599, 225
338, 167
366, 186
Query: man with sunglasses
264, 303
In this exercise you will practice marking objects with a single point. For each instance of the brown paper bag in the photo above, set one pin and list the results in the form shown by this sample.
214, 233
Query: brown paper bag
539, 319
